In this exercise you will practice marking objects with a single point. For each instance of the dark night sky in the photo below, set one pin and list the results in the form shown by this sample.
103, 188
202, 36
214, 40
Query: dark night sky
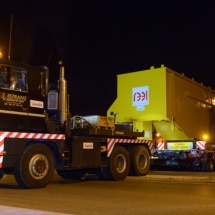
98, 39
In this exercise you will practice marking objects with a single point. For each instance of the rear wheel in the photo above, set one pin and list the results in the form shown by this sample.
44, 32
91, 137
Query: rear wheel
118, 165
140, 161
35, 168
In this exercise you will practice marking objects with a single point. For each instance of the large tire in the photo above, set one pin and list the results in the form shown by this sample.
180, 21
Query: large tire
118, 165
71, 174
35, 168
140, 161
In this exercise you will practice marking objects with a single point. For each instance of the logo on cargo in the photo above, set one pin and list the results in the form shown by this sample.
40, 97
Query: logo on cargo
140, 97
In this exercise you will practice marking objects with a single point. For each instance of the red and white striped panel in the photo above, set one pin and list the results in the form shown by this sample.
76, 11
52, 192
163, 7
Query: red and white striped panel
150, 145
160, 146
34, 136
112, 141
1, 148
200, 145
24, 135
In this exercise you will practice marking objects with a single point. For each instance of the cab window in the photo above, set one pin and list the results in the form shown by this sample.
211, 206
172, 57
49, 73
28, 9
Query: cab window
12, 78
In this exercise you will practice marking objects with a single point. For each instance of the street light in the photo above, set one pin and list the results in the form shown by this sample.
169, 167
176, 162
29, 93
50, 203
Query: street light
205, 137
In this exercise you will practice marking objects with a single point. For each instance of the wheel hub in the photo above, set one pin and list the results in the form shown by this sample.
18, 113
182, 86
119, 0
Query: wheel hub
120, 163
142, 162
38, 166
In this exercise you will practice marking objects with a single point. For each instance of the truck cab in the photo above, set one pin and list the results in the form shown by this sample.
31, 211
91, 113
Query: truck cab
22, 96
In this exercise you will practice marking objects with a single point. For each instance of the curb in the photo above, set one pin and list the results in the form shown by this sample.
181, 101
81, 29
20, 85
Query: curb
208, 179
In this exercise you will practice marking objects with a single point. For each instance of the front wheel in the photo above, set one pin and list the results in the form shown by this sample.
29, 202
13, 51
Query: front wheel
35, 168
118, 165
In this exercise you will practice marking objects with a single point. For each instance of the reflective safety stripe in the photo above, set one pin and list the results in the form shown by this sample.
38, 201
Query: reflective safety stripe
112, 141
33, 135
150, 145
1, 148
200, 145
1, 161
23, 135
161, 146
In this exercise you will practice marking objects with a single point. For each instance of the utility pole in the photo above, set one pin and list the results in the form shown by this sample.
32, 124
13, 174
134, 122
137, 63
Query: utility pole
11, 27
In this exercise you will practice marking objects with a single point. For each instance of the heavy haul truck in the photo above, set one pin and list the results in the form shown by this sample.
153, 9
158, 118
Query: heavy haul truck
176, 113
38, 135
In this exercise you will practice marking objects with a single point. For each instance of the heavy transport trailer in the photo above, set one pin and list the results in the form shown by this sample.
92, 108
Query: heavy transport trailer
176, 113
38, 135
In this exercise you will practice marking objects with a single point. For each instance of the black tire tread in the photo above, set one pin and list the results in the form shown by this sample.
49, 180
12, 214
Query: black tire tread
21, 171
109, 172
135, 170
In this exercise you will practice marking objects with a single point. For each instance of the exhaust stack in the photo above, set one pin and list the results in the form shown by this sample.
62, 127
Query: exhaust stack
62, 87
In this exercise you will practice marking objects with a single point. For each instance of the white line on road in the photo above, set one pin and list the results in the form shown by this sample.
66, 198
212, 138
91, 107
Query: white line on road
5, 210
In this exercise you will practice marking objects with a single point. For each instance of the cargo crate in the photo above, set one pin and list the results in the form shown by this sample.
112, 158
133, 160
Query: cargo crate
100, 121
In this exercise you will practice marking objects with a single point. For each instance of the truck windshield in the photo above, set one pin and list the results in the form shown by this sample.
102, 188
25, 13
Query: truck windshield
12, 78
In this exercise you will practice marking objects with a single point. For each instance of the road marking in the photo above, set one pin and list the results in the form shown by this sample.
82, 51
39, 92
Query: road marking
6, 210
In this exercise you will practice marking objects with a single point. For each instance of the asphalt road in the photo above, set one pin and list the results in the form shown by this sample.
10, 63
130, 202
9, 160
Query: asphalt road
157, 193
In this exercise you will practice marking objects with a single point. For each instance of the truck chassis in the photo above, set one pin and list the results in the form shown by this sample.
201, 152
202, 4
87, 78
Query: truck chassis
92, 150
